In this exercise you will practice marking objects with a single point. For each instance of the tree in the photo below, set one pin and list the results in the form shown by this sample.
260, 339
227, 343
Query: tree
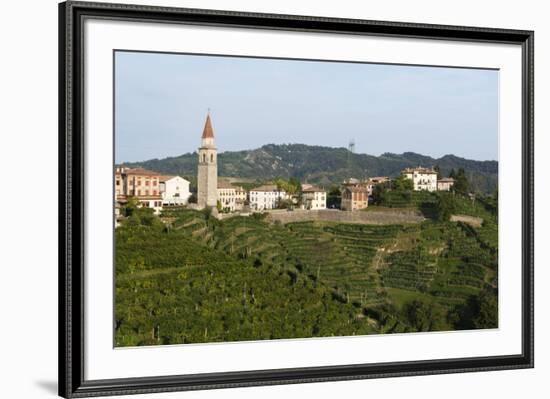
131, 206
445, 206
422, 316
379, 193
461, 184
452, 174
403, 183
438, 170
477, 312
192, 198
334, 197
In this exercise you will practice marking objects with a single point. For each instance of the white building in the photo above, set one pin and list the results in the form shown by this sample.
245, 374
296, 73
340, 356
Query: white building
314, 197
266, 197
240, 198
174, 190
423, 178
227, 196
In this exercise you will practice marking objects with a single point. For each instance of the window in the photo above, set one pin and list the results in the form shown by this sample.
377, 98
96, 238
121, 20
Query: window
204, 157
146, 182
211, 157
118, 182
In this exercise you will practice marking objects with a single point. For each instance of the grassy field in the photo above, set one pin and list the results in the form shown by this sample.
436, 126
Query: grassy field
196, 279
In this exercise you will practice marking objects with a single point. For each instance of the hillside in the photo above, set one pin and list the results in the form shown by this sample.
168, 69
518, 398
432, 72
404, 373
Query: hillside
244, 278
323, 165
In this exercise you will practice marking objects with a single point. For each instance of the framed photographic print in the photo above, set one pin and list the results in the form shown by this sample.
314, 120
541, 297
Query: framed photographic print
252, 199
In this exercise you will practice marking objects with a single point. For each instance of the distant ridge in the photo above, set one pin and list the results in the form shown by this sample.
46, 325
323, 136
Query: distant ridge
325, 166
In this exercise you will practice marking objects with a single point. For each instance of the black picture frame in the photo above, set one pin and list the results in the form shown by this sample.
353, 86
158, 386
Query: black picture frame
71, 200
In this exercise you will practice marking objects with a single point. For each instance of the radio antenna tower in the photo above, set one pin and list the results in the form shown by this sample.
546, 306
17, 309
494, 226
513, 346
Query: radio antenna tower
351, 146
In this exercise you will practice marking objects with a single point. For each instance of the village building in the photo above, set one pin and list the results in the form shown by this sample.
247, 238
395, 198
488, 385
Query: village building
227, 196
266, 197
373, 181
207, 175
313, 197
445, 184
423, 178
240, 198
174, 190
354, 198
142, 184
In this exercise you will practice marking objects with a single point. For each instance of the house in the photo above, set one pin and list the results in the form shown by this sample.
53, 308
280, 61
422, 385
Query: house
227, 196
174, 190
373, 181
313, 197
142, 184
240, 198
266, 197
354, 198
423, 178
445, 184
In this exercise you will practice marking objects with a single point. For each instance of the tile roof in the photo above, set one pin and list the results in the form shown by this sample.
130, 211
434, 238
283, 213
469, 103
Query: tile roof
419, 169
224, 184
312, 189
140, 171
266, 187
358, 189
208, 132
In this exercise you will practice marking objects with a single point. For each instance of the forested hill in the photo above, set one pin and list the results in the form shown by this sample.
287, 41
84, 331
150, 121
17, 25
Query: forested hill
323, 165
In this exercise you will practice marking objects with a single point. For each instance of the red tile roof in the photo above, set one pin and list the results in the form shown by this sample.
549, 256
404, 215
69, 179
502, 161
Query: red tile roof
208, 132
140, 171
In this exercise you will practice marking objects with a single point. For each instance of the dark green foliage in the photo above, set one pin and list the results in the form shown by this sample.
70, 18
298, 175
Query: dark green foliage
334, 197
461, 184
424, 317
404, 199
438, 171
445, 206
323, 165
402, 183
478, 312
379, 194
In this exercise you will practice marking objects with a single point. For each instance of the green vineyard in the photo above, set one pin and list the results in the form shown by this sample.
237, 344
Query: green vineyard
195, 279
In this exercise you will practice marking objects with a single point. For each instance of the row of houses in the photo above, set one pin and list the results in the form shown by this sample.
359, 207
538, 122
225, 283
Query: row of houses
426, 179
151, 189
269, 197
156, 191
356, 193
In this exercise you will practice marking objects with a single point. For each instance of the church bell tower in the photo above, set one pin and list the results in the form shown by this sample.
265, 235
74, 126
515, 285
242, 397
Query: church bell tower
207, 175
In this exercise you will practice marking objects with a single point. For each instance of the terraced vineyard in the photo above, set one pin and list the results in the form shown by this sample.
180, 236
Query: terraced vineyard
243, 278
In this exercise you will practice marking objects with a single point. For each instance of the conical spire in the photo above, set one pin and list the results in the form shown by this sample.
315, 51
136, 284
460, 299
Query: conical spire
208, 132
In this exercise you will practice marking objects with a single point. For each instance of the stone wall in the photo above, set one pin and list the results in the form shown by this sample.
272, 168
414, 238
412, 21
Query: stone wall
334, 215
471, 220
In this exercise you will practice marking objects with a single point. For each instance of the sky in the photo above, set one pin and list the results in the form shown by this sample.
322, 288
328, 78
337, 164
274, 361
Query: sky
161, 102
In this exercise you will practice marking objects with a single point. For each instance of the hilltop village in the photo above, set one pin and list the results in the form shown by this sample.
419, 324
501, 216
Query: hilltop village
234, 260
156, 191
